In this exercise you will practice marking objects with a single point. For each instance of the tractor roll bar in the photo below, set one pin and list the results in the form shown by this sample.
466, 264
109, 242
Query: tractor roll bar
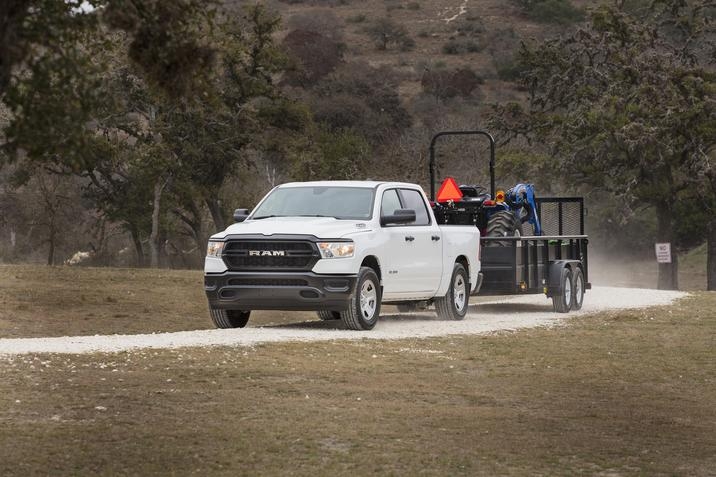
462, 133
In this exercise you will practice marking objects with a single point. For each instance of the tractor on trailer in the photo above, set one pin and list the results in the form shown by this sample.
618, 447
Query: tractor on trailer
529, 244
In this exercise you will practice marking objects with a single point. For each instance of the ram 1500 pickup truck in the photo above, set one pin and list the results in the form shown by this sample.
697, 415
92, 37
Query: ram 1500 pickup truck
340, 248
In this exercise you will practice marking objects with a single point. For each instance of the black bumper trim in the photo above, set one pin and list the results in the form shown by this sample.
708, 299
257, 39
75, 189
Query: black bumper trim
305, 291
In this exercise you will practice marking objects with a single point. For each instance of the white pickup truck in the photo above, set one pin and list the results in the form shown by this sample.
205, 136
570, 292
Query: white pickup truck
340, 248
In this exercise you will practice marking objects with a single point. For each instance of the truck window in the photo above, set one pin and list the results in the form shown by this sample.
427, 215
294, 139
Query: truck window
390, 203
355, 203
412, 199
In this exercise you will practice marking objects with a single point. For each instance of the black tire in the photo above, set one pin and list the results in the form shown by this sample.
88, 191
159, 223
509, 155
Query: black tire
503, 224
578, 288
453, 306
328, 315
563, 299
364, 308
229, 318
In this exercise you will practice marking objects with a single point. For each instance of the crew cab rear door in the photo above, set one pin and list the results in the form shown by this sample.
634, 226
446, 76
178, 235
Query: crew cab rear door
415, 258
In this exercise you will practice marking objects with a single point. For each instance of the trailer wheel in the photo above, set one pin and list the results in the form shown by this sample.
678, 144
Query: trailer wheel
578, 289
364, 308
453, 306
503, 224
229, 318
562, 300
328, 315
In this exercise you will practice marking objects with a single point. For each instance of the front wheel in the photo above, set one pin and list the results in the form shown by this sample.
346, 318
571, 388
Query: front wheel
229, 318
562, 300
364, 308
453, 306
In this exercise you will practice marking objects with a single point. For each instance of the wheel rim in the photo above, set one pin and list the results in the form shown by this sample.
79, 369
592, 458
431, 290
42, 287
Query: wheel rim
458, 292
368, 299
568, 291
578, 289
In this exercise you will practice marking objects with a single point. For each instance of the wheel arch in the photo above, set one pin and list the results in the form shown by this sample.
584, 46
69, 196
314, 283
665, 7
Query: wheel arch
373, 262
463, 260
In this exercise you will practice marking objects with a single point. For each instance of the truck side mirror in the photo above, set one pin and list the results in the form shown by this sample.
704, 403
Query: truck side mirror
400, 216
241, 214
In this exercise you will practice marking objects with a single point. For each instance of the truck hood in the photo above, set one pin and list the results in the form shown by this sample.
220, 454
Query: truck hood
321, 227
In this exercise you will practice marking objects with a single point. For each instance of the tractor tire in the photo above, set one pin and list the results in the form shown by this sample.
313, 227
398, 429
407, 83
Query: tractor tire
453, 306
364, 308
229, 318
503, 224
327, 315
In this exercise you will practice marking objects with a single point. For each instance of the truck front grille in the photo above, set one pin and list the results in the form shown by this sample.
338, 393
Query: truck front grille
268, 282
273, 255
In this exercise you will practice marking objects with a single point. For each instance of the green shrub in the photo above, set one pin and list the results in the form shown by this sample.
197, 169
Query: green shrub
458, 47
509, 69
407, 44
552, 11
360, 18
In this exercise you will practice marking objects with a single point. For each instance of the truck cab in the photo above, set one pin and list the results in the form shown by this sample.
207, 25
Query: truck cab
340, 248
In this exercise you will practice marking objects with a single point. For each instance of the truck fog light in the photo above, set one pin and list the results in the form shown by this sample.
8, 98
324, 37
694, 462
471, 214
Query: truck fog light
336, 249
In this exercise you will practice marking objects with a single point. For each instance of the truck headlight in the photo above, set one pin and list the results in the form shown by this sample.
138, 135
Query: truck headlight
336, 249
214, 249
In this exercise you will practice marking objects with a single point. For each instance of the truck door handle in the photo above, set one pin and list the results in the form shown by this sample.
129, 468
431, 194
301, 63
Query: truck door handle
409, 238
435, 238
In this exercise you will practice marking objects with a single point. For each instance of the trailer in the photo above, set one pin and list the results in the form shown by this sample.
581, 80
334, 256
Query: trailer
547, 249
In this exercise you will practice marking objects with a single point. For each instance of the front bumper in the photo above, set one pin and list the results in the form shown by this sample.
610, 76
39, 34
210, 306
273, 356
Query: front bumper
306, 291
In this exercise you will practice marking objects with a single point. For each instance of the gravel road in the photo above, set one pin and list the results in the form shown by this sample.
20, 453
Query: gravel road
508, 313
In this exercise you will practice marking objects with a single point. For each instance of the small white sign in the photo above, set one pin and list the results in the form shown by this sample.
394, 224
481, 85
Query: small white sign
663, 252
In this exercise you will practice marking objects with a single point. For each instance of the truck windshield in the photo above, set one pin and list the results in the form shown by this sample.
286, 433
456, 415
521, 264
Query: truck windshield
339, 202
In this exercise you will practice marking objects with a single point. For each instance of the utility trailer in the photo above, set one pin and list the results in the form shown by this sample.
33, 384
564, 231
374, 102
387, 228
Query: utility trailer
545, 251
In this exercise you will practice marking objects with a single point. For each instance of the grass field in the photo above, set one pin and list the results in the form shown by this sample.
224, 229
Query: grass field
621, 393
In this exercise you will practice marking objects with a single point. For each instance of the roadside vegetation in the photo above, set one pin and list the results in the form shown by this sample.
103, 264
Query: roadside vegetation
127, 140
621, 393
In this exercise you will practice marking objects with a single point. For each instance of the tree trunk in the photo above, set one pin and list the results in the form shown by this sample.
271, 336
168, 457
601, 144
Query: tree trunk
668, 272
711, 256
216, 214
154, 236
138, 247
51, 240
197, 231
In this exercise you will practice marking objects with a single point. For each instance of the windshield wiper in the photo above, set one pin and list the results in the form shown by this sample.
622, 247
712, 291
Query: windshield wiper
266, 217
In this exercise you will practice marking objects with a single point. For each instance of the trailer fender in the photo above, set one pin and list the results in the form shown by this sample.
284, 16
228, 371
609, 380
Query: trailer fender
555, 273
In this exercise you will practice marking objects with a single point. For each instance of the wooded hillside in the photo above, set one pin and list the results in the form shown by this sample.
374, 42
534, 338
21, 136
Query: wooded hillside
131, 130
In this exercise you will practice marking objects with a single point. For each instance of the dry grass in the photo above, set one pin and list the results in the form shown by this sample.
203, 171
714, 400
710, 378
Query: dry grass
625, 393
38, 301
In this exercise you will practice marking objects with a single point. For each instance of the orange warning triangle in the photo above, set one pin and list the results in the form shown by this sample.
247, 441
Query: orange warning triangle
449, 191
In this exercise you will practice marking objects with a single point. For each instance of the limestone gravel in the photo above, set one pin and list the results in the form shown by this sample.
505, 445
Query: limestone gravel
504, 313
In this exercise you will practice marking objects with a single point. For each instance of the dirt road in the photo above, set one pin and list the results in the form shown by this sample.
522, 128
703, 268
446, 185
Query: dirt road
506, 313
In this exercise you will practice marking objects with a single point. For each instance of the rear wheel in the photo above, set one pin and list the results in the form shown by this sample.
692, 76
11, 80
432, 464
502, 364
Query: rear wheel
229, 318
453, 306
503, 224
577, 289
364, 308
327, 315
562, 300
